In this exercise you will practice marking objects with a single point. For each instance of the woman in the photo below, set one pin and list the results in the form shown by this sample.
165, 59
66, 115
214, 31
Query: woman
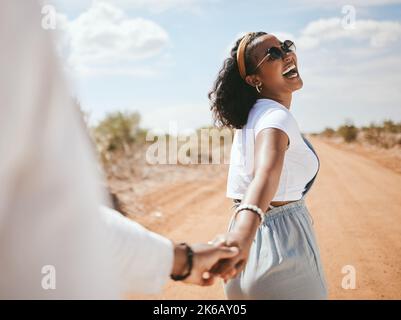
272, 168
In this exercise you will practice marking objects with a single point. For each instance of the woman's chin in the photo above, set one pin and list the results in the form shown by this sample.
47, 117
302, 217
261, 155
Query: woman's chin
295, 83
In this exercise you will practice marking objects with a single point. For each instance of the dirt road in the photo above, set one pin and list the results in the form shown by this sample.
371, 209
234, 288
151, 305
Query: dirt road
356, 206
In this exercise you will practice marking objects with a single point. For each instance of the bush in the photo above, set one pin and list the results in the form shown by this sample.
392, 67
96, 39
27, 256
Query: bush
348, 132
390, 126
373, 134
117, 133
384, 135
328, 132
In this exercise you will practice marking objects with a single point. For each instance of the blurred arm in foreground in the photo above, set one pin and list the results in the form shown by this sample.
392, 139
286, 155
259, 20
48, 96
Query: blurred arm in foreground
49, 188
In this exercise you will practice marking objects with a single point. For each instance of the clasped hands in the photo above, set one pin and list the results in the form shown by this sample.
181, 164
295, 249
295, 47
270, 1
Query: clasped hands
223, 257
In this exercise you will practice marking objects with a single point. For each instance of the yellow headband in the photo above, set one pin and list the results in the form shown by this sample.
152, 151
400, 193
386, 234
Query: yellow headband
241, 54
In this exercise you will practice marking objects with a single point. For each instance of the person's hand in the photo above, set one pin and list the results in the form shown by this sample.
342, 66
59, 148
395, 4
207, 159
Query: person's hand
241, 236
205, 257
230, 268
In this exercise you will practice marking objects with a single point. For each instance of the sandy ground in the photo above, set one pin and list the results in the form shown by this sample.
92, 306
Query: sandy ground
355, 203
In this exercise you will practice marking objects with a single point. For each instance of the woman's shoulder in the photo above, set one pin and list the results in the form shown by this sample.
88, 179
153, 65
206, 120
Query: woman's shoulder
276, 117
275, 114
266, 107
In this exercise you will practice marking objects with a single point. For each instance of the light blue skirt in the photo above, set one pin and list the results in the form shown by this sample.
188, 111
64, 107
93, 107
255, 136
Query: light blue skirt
284, 260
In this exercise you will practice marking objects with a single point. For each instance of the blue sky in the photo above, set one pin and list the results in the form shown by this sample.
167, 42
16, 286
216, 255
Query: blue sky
160, 57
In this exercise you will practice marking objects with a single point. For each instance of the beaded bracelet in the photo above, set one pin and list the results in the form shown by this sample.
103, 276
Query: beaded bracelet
252, 208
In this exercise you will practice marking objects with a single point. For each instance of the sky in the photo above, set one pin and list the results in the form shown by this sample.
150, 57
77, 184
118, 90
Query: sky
160, 57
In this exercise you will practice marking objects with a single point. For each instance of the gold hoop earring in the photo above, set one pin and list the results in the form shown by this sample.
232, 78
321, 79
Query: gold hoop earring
259, 89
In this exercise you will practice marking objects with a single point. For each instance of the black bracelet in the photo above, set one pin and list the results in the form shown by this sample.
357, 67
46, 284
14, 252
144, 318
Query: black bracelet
190, 255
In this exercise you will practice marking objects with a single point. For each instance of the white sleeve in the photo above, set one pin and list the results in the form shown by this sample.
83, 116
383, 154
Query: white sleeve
51, 235
143, 258
275, 118
54, 243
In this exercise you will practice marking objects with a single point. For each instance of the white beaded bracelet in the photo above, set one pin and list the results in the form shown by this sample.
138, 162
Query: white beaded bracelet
252, 208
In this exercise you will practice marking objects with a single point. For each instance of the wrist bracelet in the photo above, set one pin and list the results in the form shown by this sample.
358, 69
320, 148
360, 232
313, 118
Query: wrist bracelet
252, 208
190, 255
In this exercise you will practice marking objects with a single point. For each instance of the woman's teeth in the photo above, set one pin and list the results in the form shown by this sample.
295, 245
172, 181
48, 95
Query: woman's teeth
288, 69
290, 72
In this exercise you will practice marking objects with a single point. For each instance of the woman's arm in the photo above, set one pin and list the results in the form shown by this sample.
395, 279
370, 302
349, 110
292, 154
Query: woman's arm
270, 147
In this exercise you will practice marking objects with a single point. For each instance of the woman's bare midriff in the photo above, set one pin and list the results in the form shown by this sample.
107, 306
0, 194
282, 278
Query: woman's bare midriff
280, 203
273, 203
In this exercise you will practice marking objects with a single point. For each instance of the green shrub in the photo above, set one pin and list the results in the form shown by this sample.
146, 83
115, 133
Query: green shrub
117, 130
117, 133
348, 132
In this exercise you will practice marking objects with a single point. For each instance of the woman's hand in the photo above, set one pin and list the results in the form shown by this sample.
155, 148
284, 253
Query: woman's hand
230, 268
241, 236
205, 257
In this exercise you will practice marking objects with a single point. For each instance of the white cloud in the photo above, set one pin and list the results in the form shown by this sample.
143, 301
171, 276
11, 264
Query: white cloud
104, 40
356, 3
152, 6
377, 33
158, 6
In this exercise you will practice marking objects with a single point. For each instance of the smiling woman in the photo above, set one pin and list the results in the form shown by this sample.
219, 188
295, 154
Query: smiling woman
272, 167
234, 94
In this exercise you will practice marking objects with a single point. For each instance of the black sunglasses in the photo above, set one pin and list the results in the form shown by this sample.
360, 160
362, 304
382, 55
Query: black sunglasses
274, 53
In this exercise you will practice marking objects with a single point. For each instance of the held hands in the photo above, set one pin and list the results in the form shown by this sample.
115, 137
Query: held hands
205, 257
241, 236
225, 256
230, 268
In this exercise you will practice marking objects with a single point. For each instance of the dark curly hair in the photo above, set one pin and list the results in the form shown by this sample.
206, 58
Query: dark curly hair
231, 98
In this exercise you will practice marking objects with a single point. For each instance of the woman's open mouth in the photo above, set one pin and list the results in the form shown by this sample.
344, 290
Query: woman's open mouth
290, 72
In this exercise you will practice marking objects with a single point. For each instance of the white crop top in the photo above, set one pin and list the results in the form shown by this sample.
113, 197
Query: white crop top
300, 162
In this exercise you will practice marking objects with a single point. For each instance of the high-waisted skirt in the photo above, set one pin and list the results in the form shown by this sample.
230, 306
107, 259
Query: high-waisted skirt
284, 259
